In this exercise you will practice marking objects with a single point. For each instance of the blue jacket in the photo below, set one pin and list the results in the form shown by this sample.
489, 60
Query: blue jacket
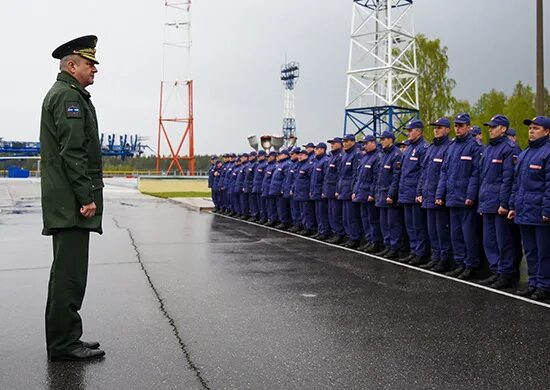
349, 165
241, 176
411, 169
433, 162
365, 183
226, 175
387, 183
249, 176
217, 175
232, 178
330, 180
278, 177
269, 169
259, 177
320, 166
302, 181
459, 179
290, 177
497, 174
531, 190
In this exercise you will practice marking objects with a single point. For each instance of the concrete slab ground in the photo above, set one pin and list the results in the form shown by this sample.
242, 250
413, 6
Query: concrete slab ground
187, 300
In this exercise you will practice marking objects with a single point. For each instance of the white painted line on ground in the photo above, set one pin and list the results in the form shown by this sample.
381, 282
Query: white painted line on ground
494, 291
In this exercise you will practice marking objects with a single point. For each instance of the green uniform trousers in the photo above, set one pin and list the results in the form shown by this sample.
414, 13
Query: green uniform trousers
66, 290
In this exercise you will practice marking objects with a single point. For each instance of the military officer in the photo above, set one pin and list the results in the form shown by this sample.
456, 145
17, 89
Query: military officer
242, 206
72, 200
414, 215
329, 192
300, 193
458, 189
270, 201
276, 190
249, 199
310, 149
512, 136
288, 186
320, 167
216, 186
437, 215
261, 215
530, 206
213, 160
476, 132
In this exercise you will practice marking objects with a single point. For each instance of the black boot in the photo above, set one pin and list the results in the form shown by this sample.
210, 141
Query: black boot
392, 254
351, 244
490, 280
270, 223
526, 292
373, 248
407, 258
294, 229
468, 274
441, 267
457, 271
541, 295
364, 246
430, 264
504, 281
419, 260
382, 252
336, 239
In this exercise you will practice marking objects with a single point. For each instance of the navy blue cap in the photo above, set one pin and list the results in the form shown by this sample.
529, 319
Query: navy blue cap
361, 142
442, 122
463, 118
261, 153
387, 134
284, 151
273, 153
321, 145
369, 138
414, 124
403, 143
498, 120
253, 154
543, 121
511, 132
309, 145
335, 140
245, 155
295, 150
303, 151
476, 130
349, 137
213, 157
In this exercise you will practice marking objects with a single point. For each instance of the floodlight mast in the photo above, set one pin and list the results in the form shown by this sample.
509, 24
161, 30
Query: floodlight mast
289, 76
382, 87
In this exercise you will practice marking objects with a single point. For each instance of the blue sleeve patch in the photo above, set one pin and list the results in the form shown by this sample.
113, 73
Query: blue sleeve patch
73, 110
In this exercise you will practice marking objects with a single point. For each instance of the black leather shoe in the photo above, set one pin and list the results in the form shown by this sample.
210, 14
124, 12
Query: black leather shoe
336, 239
294, 229
540, 295
430, 264
364, 246
441, 267
467, 274
79, 354
526, 292
457, 271
407, 258
392, 255
351, 244
90, 344
316, 235
490, 280
383, 252
419, 260
504, 281
323, 237
270, 224
281, 226
262, 221
373, 248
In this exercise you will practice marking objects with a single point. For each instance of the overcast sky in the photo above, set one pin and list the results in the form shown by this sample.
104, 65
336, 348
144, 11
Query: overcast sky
238, 49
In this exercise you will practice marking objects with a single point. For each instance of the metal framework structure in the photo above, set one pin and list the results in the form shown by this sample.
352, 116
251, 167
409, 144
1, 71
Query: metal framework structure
382, 87
176, 122
289, 76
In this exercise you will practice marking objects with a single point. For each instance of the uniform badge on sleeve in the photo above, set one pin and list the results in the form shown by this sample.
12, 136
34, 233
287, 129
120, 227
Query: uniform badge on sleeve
73, 110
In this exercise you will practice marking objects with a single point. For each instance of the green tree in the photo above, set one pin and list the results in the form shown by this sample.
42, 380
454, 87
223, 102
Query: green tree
520, 105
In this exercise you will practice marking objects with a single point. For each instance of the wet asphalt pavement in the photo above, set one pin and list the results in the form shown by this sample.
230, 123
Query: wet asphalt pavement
187, 300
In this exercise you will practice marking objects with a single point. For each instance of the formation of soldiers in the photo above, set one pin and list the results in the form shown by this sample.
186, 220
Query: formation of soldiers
454, 206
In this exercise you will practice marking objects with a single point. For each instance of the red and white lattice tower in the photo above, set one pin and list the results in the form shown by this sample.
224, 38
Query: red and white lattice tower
175, 140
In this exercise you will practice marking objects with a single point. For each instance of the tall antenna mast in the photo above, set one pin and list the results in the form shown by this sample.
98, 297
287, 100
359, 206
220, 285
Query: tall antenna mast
289, 76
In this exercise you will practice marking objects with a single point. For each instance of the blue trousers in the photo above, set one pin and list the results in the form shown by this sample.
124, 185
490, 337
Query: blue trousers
245, 207
295, 213
262, 207
226, 198
465, 236
498, 242
391, 224
370, 217
536, 243
335, 216
351, 217
439, 231
271, 205
216, 199
236, 202
253, 205
307, 213
283, 209
321, 215
417, 230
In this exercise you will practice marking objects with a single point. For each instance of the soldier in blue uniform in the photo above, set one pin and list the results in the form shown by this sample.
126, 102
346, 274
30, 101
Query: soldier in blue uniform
387, 186
249, 198
320, 167
310, 149
226, 193
530, 206
414, 215
213, 161
239, 187
257, 187
288, 188
300, 193
364, 190
496, 177
216, 173
270, 201
458, 189
235, 188
437, 215
351, 212
330, 182
276, 189
512, 136
476, 132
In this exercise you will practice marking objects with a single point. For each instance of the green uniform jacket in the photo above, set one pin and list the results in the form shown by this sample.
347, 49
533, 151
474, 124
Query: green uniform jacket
71, 157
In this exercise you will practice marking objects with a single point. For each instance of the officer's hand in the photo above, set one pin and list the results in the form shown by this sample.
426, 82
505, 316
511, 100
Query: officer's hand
511, 214
291, 193
389, 200
545, 218
370, 199
419, 199
323, 195
502, 211
439, 202
469, 202
352, 196
88, 210
336, 194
